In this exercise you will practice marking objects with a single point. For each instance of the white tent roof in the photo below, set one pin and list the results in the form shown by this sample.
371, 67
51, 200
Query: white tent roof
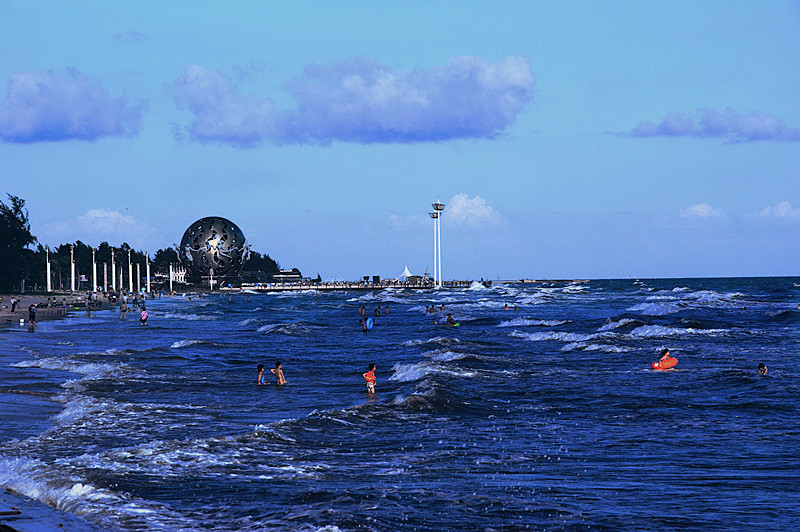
406, 274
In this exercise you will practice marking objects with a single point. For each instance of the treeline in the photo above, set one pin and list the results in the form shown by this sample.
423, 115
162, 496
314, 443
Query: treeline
20, 263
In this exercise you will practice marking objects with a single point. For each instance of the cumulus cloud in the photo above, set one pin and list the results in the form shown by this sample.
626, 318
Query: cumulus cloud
362, 101
730, 124
221, 113
43, 106
702, 210
98, 225
461, 210
471, 211
781, 211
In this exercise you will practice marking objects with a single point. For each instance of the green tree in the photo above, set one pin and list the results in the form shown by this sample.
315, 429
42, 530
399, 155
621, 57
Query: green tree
163, 258
261, 263
15, 237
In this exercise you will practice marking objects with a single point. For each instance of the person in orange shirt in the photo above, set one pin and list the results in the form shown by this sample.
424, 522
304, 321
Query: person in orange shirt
370, 378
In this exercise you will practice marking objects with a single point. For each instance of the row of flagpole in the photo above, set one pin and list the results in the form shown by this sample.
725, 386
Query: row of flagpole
105, 272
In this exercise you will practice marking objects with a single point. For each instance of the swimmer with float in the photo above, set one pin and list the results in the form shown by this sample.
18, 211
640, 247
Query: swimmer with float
665, 362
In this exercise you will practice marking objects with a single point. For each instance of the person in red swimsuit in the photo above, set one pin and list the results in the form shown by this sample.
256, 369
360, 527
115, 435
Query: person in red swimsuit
370, 378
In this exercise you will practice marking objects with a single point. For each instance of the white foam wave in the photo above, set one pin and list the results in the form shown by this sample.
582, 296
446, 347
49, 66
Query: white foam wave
441, 340
655, 309
182, 316
559, 336
248, 321
92, 370
66, 491
605, 348
650, 331
446, 355
284, 328
415, 372
611, 325
476, 286
185, 343
525, 322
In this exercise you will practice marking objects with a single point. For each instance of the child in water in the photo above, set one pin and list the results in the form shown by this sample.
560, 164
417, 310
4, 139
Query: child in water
260, 369
370, 378
143, 318
664, 356
278, 372
762, 369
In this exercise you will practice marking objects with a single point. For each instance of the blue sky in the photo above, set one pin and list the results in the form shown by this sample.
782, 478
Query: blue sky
567, 139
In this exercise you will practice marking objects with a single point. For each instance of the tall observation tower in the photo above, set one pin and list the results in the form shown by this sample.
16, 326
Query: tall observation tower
438, 207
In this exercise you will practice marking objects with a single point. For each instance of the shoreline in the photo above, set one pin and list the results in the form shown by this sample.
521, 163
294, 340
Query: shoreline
48, 306
19, 513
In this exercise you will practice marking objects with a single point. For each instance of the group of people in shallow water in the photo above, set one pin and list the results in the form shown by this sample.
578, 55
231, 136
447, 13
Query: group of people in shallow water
369, 376
135, 303
277, 371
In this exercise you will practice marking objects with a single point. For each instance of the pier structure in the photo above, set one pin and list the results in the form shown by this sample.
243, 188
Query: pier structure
352, 285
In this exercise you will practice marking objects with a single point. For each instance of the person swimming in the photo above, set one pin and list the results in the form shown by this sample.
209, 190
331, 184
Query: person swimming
762, 369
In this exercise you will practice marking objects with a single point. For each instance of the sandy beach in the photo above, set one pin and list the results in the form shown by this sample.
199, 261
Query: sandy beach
48, 307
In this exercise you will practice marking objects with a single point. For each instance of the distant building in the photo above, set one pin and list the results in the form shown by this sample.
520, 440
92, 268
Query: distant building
288, 276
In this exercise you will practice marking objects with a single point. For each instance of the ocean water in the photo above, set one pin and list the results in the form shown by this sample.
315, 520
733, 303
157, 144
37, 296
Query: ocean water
545, 416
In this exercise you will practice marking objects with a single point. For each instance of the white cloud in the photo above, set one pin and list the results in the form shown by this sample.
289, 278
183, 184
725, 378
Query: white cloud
781, 211
702, 210
99, 225
364, 102
730, 124
43, 106
471, 211
461, 210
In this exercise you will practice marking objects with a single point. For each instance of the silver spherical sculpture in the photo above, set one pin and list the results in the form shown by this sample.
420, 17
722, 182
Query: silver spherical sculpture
213, 246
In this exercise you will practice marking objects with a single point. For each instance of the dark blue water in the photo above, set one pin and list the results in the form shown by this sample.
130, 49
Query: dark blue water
547, 417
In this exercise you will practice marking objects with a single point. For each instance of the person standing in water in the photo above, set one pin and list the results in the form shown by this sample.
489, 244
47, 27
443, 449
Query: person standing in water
260, 369
369, 376
32, 316
278, 372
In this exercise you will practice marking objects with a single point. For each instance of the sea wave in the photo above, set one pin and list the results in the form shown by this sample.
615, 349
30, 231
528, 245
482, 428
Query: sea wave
611, 325
605, 348
525, 322
560, 336
182, 316
660, 330
292, 328
415, 372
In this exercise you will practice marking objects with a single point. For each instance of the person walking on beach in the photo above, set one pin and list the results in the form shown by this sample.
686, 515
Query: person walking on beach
13, 305
278, 372
32, 316
369, 376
